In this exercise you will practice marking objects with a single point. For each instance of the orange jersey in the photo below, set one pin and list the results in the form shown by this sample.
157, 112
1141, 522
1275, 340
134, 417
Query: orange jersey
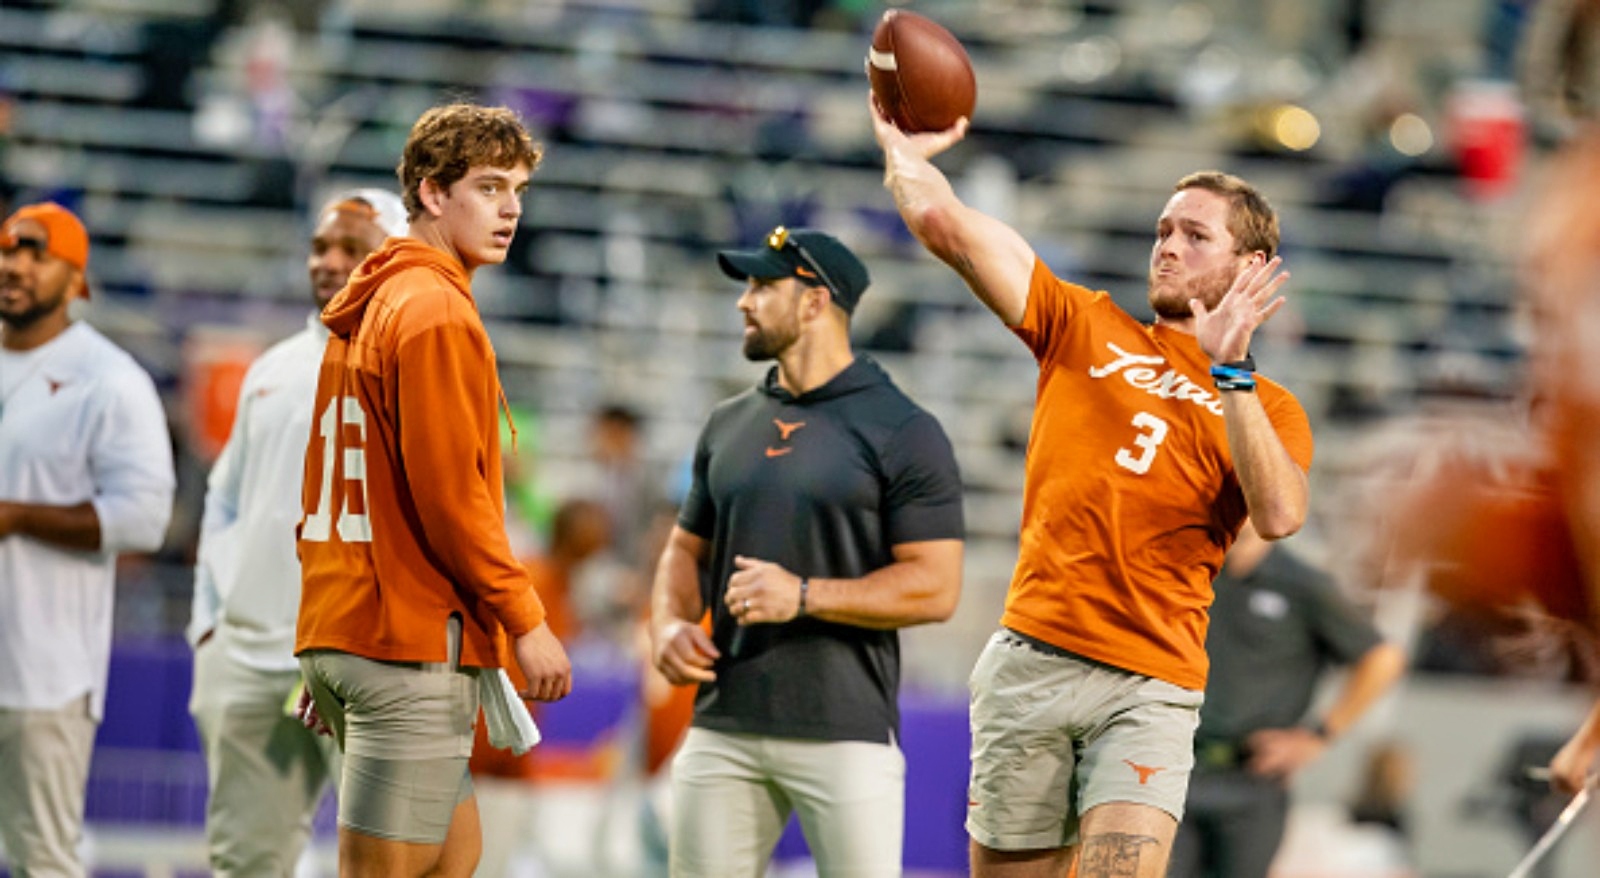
1130, 499
404, 508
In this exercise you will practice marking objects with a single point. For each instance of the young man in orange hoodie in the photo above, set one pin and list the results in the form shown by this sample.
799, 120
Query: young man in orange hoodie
410, 588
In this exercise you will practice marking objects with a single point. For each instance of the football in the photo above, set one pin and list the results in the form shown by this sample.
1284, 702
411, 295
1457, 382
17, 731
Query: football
920, 73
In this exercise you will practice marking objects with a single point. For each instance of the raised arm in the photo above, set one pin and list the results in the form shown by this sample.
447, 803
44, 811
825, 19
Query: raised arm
1276, 489
989, 255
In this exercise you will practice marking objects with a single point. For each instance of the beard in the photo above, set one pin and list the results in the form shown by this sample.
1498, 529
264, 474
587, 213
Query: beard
766, 343
38, 308
1170, 299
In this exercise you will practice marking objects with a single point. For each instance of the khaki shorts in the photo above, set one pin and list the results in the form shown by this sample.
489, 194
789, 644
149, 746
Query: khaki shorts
1054, 735
406, 730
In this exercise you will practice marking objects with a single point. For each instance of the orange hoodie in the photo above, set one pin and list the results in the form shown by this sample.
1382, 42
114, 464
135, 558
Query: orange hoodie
404, 506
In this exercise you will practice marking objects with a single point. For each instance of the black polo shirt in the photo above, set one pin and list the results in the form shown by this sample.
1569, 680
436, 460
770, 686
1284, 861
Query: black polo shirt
1272, 634
824, 484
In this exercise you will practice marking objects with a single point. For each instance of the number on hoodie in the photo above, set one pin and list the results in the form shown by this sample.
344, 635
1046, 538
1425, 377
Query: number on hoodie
353, 527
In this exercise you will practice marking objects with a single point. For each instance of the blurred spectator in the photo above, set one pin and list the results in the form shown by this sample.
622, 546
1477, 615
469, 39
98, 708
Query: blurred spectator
255, 109
580, 530
1507, 516
1386, 785
616, 475
273, 104
266, 772
1275, 625
85, 474
667, 711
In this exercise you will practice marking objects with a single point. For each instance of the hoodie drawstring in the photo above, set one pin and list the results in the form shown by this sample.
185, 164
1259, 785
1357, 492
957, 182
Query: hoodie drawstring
505, 408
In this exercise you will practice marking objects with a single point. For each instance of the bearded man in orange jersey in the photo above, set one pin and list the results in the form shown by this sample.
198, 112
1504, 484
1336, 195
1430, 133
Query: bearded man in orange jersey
410, 588
1150, 446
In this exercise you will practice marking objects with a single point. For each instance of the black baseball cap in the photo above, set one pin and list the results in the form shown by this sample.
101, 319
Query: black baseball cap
817, 258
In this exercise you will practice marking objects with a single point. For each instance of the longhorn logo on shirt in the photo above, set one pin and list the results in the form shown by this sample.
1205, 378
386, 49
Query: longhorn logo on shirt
785, 430
1145, 772
54, 385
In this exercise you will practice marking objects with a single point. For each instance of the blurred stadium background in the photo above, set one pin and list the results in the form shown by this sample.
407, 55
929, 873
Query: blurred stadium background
1398, 138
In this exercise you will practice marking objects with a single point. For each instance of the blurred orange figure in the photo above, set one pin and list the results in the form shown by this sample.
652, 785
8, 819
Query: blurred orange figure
1504, 516
579, 530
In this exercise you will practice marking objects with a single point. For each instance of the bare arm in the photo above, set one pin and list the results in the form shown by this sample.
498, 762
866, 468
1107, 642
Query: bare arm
1370, 679
989, 255
1569, 770
1276, 489
683, 651
70, 527
923, 584
1283, 752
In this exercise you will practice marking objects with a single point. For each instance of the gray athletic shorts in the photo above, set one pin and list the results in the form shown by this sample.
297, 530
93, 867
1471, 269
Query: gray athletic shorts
1055, 734
406, 731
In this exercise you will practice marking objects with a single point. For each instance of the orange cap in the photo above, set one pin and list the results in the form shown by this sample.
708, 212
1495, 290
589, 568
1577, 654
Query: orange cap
65, 237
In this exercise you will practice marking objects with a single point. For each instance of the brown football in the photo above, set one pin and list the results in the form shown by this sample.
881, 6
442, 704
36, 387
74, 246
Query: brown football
920, 73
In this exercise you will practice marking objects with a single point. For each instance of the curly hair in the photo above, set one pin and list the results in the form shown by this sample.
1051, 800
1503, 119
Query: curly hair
449, 141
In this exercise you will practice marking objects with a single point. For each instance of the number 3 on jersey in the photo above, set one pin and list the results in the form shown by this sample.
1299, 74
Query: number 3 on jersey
1153, 431
354, 526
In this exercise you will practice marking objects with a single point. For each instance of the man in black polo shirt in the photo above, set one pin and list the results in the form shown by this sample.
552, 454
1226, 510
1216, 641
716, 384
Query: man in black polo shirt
824, 514
1276, 624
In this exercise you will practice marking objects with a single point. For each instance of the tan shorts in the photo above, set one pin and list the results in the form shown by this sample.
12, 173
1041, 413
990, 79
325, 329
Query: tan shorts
1054, 735
406, 732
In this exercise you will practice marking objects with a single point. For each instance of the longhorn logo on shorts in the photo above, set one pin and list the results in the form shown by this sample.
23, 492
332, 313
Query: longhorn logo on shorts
1145, 772
785, 430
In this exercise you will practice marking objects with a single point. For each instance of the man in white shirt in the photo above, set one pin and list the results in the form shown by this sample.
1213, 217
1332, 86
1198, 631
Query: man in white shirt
267, 772
85, 473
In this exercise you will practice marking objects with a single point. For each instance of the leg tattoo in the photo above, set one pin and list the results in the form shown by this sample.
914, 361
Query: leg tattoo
1113, 854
